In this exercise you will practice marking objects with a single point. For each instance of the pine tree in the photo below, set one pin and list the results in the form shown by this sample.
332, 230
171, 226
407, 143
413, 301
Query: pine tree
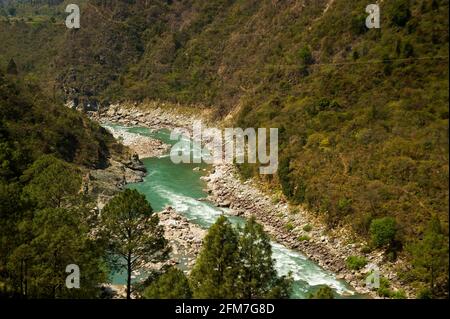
257, 273
12, 67
430, 259
171, 285
215, 272
236, 264
133, 233
45, 234
51, 182
53, 239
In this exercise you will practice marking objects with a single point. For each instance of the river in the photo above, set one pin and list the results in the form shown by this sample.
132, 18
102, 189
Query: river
180, 186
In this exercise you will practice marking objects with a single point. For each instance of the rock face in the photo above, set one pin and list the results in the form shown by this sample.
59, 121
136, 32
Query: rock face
103, 184
155, 116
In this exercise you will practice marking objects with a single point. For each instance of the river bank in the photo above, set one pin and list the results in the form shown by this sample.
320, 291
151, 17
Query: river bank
328, 249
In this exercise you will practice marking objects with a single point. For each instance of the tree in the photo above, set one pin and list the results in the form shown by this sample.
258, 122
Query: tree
401, 13
305, 55
383, 231
306, 59
133, 233
53, 239
43, 230
236, 264
257, 275
12, 67
430, 259
11, 210
281, 288
215, 271
12, 11
323, 292
51, 182
171, 285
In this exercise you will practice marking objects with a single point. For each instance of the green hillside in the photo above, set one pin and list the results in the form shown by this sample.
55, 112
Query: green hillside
363, 114
32, 125
45, 148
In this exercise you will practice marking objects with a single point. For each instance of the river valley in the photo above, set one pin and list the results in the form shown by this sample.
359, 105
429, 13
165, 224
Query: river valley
180, 186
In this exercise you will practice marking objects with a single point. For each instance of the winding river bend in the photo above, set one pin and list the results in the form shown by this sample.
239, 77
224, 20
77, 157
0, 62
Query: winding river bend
180, 186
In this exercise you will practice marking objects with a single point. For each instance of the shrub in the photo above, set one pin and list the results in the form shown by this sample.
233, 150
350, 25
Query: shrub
289, 227
366, 249
171, 285
384, 289
304, 238
306, 56
307, 228
275, 199
387, 292
323, 292
425, 293
401, 13
384, 292
344, 205
355, 262
399, 294
383, 231
358, 25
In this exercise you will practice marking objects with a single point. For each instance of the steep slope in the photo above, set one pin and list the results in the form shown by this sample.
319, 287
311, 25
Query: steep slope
33, 125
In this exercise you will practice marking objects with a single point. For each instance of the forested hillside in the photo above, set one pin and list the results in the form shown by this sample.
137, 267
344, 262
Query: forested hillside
44, 225
362, 113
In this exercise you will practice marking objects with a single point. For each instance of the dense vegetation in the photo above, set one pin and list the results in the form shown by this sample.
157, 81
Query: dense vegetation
363, 114
32, 125
45, 222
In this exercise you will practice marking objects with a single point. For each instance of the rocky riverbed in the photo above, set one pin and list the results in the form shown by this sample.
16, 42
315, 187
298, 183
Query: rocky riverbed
143, 146
184, 237
296, 229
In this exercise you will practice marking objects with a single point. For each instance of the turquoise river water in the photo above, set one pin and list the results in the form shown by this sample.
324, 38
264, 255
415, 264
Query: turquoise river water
179, 186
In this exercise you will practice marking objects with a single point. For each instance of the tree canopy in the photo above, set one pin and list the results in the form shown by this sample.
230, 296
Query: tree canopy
237, 263
133, 233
